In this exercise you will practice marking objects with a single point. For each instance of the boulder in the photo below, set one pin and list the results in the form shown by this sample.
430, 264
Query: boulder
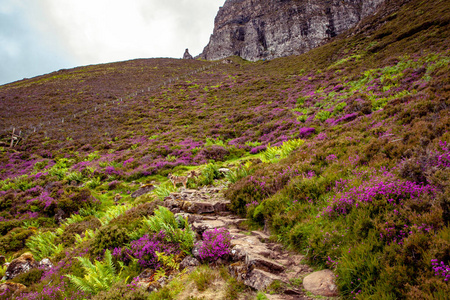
196, 249
221, 206
238, 270
20, 265
321, 283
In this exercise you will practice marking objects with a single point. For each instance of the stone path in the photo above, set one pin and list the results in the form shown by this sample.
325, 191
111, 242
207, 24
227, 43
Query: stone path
256, 262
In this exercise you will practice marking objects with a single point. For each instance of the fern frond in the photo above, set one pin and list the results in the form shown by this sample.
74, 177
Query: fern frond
43, 245
100, 276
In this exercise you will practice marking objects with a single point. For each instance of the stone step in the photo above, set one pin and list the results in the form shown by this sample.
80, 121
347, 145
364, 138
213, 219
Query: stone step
196, 207
256, 261
201, 224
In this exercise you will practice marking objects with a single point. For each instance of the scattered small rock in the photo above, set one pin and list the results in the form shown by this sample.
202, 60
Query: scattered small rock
189, 261
224, 170
45, 264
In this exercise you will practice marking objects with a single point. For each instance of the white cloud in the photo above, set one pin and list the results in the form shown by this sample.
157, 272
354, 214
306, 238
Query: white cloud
40, 36
111, 30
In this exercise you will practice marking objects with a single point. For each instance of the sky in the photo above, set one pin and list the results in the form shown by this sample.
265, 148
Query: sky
42, 36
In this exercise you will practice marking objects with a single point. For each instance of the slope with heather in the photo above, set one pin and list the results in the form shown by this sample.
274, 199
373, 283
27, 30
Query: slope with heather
366, 193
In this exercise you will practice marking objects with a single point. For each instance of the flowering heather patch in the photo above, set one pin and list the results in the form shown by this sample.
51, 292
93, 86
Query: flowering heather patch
258, 149
440, 269
58, 291
331, 158
393, 192
44, 200
306, 131
145, 248
215, 245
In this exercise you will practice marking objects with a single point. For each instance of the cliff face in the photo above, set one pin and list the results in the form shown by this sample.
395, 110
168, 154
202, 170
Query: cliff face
258, 29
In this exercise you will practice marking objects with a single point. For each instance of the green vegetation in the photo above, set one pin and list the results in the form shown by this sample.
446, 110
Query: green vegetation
342, 153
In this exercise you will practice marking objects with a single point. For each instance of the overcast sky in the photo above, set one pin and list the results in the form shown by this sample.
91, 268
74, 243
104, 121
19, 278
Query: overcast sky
41, 36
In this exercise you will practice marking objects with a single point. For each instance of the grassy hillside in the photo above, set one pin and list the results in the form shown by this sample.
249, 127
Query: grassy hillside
366, 194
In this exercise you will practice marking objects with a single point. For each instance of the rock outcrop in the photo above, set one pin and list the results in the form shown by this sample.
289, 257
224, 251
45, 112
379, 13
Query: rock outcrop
20, 265
257, 29
186, 55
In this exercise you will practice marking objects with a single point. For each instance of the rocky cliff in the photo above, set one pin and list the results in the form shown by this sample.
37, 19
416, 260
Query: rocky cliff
258, 29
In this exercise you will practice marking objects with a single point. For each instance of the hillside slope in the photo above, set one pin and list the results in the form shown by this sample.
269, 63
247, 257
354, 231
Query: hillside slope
366, 194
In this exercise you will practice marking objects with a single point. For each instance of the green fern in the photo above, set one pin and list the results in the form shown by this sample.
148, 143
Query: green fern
93, 183
75, 176
164, 190
43, 245
168, 261
177, 230
209, 173
212, 142
88, 234
273, 153
236, 174
99, 276
73, 219
113, 213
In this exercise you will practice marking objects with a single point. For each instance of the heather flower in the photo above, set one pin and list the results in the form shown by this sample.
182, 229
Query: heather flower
216, 244
440, 269
258, 149
331, 158
321, 136
306, 131
394, 191
145, 248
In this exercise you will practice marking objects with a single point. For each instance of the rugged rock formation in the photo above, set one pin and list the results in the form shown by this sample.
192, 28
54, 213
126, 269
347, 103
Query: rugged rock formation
186, 55
258, 29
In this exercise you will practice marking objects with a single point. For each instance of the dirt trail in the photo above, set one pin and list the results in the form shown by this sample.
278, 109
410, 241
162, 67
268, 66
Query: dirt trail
255, 261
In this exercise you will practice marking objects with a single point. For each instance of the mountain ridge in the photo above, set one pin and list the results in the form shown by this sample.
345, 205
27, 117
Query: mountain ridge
257, 30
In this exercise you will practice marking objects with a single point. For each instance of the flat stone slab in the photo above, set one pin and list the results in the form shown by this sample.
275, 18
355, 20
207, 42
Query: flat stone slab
321, 283
260, 280
201, 226
198, 207
260, 262
261, 235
